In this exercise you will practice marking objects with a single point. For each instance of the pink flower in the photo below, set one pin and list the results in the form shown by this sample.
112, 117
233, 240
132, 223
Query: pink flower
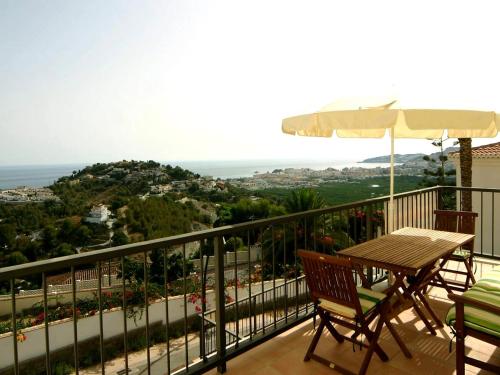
193, 298
40, 318
360, 214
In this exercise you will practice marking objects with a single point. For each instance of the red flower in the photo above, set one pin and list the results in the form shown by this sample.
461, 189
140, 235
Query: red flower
360, 214
193, 298
40, 318
326, 240
128, 294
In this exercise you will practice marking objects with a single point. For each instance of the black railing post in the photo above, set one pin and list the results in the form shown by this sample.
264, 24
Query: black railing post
369, 236
220, 302
440, 198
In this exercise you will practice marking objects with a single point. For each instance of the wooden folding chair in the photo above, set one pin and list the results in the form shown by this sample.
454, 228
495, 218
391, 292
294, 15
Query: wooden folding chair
460, 222
450, 221
333, 290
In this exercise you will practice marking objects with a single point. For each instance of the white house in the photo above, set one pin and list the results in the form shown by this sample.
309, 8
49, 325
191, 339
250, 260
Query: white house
98, 214
485, 174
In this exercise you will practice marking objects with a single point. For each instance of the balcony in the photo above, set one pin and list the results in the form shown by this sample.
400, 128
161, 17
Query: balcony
243, 310
431, 354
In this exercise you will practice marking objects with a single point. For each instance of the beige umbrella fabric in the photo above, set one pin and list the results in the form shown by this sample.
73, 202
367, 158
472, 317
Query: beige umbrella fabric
351, 121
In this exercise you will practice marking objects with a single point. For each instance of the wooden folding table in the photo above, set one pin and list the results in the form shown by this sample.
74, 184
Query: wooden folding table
408, 252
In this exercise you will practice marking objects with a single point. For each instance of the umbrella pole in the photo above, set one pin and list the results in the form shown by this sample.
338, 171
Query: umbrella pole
391, 184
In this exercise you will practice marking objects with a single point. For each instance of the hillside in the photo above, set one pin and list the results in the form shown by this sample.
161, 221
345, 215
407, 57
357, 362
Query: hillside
421, 163
108, 204
398, 158
408, 159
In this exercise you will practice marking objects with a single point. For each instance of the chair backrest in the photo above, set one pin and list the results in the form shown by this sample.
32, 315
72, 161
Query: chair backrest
330, 278
457, 221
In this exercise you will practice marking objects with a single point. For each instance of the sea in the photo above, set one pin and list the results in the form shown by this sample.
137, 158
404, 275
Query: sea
45, 175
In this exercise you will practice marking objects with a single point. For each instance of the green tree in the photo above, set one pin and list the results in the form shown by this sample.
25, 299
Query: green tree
66, 232
15, 258
303, 200
118, 202
83, 235
132, 270
437, 172
175, 266
31, 249
7, 235
193, 188
49, 238
249, 210
62, 250
119, 238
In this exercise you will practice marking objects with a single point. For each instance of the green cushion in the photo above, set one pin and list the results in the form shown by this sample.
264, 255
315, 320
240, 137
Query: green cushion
460, 254
367, 298
486, 290
490, 281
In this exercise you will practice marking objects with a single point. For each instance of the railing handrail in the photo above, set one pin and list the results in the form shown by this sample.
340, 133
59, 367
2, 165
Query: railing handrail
48, 265
475, 188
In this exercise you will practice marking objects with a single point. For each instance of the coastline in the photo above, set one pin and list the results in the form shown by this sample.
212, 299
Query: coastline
37, 176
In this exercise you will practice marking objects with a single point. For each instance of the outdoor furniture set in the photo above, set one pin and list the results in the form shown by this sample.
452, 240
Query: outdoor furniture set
415, 257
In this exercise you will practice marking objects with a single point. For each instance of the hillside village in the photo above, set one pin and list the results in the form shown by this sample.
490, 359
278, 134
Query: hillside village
291, 178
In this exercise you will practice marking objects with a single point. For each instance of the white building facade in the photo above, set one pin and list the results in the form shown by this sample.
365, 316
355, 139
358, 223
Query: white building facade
98, 214
485, 174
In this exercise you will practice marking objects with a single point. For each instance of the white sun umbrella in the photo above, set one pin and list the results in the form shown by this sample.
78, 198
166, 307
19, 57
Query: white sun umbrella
351, 120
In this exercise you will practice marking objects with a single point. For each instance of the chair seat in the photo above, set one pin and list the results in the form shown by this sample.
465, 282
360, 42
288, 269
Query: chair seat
460, 255
490, 282
367, 298
478, 319
486, 290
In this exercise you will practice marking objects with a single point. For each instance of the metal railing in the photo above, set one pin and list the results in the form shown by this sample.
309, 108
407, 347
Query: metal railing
207, 317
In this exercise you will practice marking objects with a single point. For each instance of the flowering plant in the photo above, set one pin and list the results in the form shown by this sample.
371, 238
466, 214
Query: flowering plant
378, 217
196, 296
21, 337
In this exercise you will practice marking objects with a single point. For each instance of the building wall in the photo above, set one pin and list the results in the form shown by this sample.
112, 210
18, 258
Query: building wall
485, 174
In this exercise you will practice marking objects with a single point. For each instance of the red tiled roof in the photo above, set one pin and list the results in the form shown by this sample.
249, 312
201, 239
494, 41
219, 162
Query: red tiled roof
482, 152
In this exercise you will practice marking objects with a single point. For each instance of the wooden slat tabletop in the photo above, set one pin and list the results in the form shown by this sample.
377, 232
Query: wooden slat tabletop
407, 249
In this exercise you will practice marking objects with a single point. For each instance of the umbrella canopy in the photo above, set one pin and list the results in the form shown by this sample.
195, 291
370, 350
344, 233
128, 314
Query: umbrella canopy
348, 120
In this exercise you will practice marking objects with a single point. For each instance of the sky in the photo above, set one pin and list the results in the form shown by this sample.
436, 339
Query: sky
93, 81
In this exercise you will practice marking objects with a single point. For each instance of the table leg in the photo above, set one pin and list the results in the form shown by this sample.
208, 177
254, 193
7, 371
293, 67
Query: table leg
394, 288
408, 293
424, 301
420, 313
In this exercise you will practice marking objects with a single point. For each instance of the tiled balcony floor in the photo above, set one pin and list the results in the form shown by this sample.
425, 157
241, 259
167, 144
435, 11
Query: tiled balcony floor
284, 354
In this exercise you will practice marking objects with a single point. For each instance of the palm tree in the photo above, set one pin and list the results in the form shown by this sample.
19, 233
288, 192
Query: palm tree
466, 172
304, 200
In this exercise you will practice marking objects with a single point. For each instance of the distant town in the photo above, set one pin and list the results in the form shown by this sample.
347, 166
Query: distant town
24, 194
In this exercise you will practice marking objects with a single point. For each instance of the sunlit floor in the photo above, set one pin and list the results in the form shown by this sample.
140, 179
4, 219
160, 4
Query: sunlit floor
284, 354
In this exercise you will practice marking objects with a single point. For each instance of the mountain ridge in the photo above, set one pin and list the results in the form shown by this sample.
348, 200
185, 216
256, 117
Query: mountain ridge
405, 158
